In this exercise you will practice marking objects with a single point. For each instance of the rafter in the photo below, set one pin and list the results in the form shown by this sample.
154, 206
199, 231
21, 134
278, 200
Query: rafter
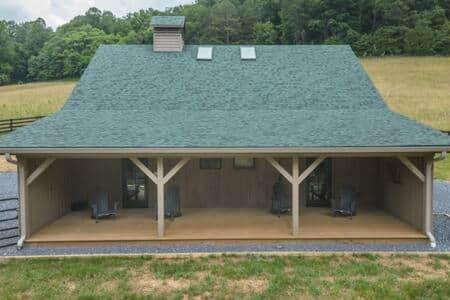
409, 164
39, 170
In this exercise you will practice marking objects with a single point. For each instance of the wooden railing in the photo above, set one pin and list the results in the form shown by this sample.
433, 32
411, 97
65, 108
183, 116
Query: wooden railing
9, 125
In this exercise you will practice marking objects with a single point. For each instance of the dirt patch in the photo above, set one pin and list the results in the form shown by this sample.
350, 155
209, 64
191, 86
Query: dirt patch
422, 266
109, 285
146, 282
70, 286
252, 285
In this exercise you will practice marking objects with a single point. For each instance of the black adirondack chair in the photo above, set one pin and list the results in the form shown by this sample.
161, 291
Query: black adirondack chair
172, 203
102, 207
281, 203
345, 204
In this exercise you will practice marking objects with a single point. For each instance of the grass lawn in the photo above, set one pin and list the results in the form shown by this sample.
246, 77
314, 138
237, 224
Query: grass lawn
33, 99
417, 87
335, 276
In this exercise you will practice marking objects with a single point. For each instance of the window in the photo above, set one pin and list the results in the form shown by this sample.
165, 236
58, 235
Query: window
244, 163
211, 163
248, 53
204, 53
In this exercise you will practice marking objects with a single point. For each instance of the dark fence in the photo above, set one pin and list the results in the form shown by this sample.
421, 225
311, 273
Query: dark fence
9, 125
9, 228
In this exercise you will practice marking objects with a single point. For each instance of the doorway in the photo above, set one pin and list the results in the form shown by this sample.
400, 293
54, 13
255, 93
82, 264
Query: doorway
135, 186
318, 187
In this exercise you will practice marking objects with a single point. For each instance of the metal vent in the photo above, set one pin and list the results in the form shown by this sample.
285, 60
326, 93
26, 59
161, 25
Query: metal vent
204, 53
248, 53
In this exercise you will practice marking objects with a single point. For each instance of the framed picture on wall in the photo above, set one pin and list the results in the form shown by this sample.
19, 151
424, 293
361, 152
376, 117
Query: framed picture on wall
210, 163
244, 163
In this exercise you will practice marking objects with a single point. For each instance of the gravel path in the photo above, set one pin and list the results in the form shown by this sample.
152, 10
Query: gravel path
441, 231
8, 185
441, 192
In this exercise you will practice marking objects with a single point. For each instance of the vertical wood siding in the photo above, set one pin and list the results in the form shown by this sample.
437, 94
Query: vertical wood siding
47, 196
404, 199
362, 174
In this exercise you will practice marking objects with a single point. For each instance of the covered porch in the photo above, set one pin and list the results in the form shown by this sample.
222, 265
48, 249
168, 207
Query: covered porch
221, 201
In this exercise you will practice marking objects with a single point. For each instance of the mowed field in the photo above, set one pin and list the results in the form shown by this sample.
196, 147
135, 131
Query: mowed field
33, 99
417, 87
340, 276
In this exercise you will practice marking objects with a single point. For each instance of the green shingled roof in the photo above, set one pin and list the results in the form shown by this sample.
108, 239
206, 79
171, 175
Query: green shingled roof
169, 21
290, 96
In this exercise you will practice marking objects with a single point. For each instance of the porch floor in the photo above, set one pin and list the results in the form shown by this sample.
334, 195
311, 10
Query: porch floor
225, 224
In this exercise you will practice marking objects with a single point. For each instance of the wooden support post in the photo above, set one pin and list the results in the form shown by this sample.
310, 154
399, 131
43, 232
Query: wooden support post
160, 180
175, 169
160, 193
295, 179
279, 168
310, 169
23, 193
428, 211
144, 169
39, 170
295, 196
408, 163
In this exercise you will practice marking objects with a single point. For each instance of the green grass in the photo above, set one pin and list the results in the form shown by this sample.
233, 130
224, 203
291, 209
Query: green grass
336, 276
33, 99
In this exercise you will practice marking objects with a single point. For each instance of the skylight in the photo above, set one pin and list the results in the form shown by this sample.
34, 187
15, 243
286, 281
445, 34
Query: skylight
204, 53
248, 53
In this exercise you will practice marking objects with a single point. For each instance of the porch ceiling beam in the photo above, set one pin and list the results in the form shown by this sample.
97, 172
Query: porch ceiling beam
39, 170
175, 169
144, 169
280, 169
310, 169
410, 165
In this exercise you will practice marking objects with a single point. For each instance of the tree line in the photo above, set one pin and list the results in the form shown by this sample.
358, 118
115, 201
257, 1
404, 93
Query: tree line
33, 51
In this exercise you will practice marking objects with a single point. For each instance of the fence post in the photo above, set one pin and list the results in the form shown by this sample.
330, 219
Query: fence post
11, 125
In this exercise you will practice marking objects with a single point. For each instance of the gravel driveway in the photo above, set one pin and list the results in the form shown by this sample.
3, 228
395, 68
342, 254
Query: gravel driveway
441, 229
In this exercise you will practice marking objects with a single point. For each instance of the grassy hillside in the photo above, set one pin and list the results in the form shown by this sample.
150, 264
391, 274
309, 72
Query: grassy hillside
33, 99
417, 87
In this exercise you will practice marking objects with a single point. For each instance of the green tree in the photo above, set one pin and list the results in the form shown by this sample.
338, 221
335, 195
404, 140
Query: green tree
442, 44
6, 54
224, 22
265, 33
30, 37
419, 41
68, 54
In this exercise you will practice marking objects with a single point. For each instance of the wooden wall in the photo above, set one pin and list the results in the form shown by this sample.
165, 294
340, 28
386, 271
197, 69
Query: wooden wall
227, 187
362, 174
47, 198
168, 40
404, 199
90, 175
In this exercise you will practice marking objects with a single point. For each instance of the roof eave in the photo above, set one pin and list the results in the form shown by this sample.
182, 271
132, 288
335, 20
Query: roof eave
230, 150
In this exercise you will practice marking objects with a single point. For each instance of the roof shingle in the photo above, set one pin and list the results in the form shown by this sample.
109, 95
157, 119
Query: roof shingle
167, 21
290, 96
